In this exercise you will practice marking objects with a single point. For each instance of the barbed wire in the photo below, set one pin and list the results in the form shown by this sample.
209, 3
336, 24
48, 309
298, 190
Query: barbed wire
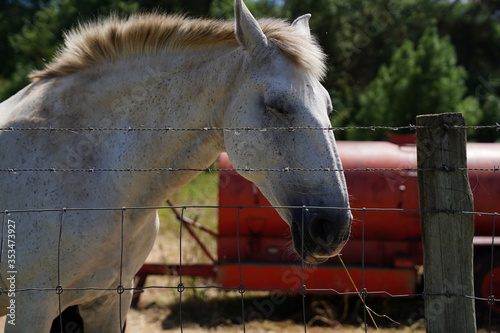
247, 169
229, 129
210, 170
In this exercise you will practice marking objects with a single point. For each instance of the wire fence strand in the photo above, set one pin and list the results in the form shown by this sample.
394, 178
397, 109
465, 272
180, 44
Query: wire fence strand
239, 129
302, 290
240, 170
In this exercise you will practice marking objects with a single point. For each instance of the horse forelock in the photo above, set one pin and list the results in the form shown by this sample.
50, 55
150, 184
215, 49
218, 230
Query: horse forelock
114, 38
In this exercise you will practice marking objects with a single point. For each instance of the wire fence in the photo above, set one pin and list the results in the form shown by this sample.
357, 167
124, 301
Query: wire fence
302, 289
229, 129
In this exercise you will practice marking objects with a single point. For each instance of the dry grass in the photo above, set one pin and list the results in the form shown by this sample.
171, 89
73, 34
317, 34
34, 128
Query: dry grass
213, 311
202, 191
150, 320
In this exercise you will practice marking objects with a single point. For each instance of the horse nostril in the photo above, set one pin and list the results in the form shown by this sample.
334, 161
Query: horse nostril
321, 231
318, 236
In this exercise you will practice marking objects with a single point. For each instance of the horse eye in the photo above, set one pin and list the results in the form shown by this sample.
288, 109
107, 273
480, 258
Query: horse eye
330, 112
329, 109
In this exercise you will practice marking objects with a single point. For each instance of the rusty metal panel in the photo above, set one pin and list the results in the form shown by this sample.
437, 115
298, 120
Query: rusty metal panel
321, 279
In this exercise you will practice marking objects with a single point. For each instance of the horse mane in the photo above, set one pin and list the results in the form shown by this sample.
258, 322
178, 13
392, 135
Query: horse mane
114, 38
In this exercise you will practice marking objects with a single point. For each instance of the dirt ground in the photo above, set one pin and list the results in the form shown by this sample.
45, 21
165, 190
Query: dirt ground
213, 310
150, 321
210, 310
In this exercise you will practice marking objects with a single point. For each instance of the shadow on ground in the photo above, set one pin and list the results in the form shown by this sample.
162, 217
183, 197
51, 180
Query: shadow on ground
319, 311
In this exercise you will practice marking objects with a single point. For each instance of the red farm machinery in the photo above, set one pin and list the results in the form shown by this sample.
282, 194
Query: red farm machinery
384, 254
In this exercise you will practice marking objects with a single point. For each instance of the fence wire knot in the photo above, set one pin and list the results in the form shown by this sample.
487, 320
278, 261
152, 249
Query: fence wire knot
59, 290
363, 293
180, 287
303, 290
120, 290
447, 168
491, 300
241, 289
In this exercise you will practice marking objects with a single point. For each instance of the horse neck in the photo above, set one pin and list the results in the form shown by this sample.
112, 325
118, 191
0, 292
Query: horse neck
179, 92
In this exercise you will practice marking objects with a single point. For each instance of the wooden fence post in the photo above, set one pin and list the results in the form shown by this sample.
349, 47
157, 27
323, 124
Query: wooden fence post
447, 234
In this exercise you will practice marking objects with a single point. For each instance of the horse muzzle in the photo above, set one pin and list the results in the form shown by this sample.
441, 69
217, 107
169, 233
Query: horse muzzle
320, 233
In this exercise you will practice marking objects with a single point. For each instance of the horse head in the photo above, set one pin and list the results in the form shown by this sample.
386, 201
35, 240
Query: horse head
281, 111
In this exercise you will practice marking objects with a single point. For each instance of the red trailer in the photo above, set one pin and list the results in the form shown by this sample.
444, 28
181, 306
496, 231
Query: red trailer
385, 250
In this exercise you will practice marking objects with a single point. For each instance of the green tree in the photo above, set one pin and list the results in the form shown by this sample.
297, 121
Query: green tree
491, 116
224, 9
419, 80
35, 41
13, 16
359, 36
474, 30
31, 31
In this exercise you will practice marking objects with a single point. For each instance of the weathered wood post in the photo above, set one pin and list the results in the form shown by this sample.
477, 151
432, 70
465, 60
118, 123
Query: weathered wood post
444, 193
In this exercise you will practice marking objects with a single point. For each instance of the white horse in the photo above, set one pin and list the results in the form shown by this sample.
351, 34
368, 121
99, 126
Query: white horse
155, 71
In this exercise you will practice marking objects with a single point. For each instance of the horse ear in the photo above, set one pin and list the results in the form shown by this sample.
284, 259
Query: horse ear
248, 31
302, 24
